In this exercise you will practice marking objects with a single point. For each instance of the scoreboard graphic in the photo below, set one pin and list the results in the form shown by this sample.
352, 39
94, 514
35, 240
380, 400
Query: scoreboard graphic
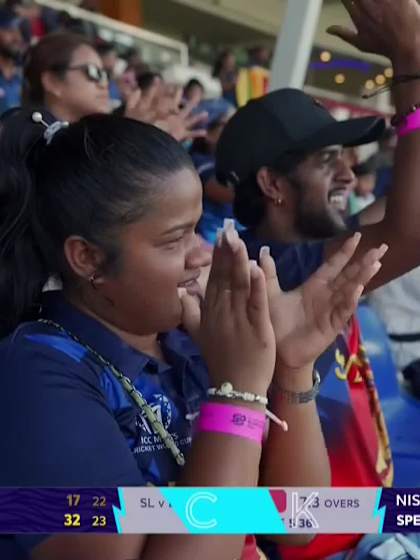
209, 510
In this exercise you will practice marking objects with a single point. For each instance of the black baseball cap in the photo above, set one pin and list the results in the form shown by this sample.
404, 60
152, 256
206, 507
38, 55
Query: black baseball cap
285, 121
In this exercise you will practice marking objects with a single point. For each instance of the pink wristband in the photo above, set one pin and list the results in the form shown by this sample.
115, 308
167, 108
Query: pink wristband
412, 123
234, 420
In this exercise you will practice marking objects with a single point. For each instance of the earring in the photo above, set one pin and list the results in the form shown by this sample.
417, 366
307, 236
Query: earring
278, 202
92, 280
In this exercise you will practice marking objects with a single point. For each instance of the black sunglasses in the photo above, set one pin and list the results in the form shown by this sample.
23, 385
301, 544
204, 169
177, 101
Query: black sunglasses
92, 72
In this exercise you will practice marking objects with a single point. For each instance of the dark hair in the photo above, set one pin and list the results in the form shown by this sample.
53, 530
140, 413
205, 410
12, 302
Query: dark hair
219, 62
249, 202
132, 52
95, 176
192, 84
104, 47
53, 53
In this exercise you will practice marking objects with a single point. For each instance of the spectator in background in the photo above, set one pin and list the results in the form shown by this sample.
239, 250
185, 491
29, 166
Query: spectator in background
383, 161
36, 20
194, 90
11, 50
148, 83
135, 67
362, 195
81, 26
65, 75
225, 69
217, 198
398, 305
109, 56
259, 56
254, 80
133, 58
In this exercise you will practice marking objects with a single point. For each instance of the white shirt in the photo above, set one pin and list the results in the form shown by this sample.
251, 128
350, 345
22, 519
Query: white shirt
398, 305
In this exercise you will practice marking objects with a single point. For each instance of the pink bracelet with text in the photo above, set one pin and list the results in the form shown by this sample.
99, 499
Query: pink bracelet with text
412, 123
234, 420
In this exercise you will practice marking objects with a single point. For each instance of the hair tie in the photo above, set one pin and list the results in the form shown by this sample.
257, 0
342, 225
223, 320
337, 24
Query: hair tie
50, 129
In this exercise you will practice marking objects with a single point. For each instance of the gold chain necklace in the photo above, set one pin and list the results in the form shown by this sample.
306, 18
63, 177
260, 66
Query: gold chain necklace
134, 393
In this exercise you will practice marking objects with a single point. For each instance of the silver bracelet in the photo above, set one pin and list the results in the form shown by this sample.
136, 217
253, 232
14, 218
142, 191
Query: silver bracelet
303, 397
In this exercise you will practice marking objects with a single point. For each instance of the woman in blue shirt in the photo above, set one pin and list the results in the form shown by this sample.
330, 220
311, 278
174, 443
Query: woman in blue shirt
109, 206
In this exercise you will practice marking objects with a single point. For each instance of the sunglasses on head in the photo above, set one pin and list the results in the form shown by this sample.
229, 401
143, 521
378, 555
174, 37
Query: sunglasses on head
92, 72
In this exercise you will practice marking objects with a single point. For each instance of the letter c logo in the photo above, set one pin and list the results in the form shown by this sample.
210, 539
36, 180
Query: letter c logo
189, 510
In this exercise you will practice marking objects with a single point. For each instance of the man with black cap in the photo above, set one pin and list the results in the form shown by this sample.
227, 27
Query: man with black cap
11, 50
283, 153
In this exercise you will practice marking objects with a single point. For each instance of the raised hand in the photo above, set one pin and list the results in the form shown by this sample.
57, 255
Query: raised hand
182, 124
308, 319
160, 106
143, 106
385, 27
233, 328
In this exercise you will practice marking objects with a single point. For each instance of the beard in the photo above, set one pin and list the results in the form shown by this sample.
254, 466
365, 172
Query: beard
316, 223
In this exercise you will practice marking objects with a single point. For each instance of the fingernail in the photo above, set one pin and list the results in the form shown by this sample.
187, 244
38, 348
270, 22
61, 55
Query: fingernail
228, 224
384, 248
231, 236
357, 236
264, 251
219, 236
253, 265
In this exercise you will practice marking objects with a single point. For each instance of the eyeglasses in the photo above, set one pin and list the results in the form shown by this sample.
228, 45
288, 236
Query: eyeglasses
92, 72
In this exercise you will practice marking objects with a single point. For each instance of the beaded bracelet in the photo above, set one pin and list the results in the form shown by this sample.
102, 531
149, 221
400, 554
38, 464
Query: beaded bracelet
226, 391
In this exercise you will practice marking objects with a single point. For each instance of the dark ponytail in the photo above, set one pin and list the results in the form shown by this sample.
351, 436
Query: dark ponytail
96, 176
23, 270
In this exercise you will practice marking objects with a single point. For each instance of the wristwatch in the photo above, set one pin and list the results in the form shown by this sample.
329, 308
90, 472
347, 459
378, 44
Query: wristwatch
293, 397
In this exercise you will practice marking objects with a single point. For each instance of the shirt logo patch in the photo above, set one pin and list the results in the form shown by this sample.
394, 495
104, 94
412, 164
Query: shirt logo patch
162, 408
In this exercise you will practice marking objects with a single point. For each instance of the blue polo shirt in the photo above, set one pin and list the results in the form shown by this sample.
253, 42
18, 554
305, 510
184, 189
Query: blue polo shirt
66, 421
10, 92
